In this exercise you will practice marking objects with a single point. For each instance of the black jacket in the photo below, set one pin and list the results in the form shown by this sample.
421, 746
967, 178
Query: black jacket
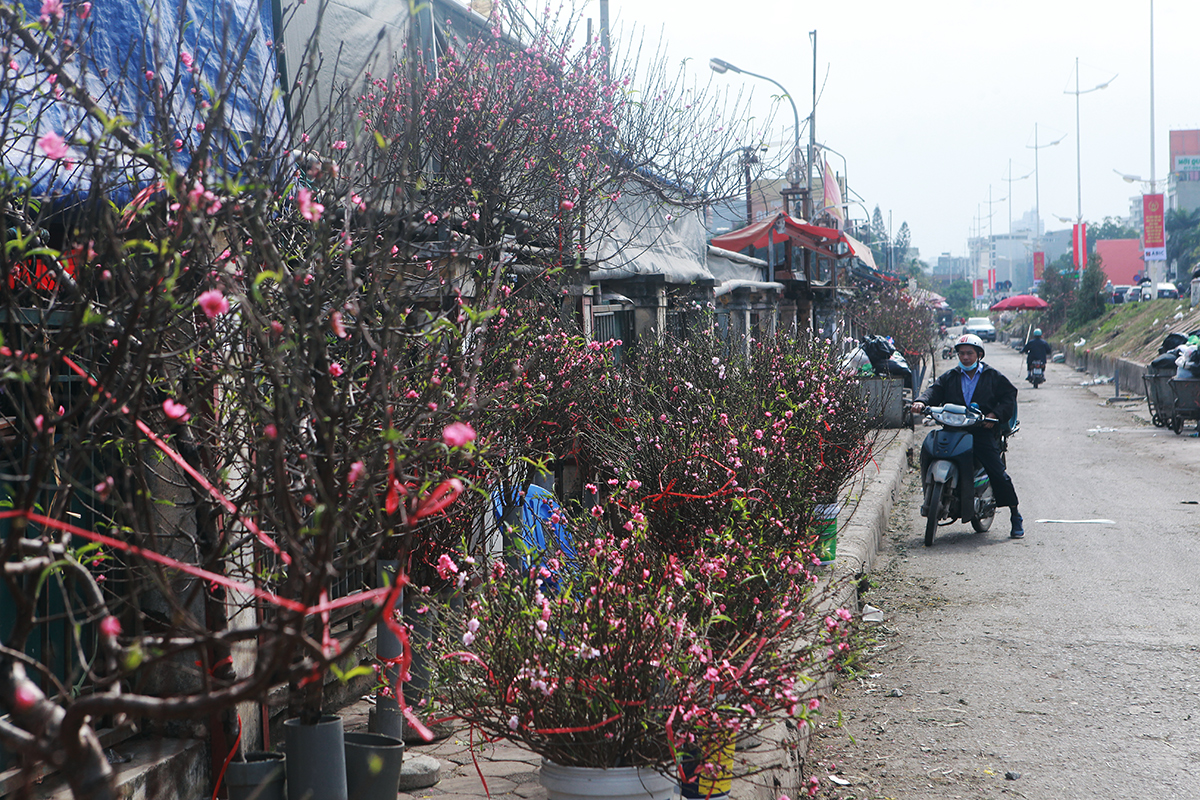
1038, 349
994, 394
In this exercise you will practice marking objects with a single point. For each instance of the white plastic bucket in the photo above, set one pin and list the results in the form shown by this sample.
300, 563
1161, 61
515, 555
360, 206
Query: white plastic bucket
594, 783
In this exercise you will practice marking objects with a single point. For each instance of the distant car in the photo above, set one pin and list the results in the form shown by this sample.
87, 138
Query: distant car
981, 327
1167, 291
1134, 294
1118, 293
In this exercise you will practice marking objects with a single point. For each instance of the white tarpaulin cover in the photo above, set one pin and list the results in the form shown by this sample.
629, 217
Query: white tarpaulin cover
862, 251
642, 237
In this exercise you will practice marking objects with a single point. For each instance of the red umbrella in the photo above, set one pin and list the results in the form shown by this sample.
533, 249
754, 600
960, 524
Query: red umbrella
1020, 302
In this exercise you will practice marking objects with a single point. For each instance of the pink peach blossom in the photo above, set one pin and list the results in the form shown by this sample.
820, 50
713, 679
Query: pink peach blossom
309, 209
53, 146
213, 303
175, 411
51, 9
457, 434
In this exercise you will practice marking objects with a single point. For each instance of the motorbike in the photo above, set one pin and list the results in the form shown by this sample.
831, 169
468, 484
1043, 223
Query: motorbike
1037, 373
947, 351
956, 486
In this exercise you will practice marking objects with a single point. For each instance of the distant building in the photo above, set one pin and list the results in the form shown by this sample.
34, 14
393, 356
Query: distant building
1121, 259
1183, 184
1056, 244
952, 268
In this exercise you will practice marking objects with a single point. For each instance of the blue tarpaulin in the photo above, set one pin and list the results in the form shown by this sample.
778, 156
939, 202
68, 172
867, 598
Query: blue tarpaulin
132, 56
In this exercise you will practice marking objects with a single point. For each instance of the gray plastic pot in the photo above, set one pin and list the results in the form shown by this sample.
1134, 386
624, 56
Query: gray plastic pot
316, 760
259, 777
373, 764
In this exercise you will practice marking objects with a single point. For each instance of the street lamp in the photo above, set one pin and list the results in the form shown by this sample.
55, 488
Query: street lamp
721, 66
991, 242
1152, 183
1078, 161
1037, 189
1011, 180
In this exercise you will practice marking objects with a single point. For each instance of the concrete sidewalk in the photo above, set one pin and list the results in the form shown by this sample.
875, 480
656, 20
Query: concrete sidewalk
466, 764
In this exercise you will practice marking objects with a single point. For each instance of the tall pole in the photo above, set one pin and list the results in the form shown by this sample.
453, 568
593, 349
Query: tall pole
1078, 161
1037, 190
1155, 275
812, 127
1151, 95
1010, 180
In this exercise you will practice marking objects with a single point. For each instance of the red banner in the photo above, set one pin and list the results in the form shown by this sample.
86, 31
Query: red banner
980, 287
991, 279
1039, 266
1079, 244
1154, 238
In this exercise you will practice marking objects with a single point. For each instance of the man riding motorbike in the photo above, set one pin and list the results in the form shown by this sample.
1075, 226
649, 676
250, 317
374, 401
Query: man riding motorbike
974, 382
1036, 349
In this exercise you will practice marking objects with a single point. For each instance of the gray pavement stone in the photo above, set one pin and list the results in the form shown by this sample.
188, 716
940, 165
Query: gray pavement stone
419, 772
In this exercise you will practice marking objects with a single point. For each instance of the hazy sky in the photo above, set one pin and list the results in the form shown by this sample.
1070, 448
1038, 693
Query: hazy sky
929, 99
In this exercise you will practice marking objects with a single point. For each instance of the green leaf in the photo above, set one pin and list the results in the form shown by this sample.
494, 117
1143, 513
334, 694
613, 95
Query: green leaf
350, 674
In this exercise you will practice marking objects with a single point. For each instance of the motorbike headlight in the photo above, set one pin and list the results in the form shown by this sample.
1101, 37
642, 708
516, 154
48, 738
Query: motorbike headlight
950, 418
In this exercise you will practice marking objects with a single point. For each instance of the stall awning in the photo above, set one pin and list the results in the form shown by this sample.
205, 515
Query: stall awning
861, 251
760, 234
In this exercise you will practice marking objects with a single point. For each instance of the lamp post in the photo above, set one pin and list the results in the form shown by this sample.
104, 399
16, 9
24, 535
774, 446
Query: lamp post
1037, 189
721, 66
1148, 187
1010, 179
1078, 160
991, 242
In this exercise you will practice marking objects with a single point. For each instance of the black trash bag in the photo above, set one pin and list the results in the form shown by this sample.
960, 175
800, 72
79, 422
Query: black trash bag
1172, 341
1165, 360
897, 367
878, 350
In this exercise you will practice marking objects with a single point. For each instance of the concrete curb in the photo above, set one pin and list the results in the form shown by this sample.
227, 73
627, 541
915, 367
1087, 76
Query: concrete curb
867, 508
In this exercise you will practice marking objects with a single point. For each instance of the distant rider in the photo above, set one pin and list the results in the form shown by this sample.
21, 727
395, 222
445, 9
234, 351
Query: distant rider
974, 382
1036, 349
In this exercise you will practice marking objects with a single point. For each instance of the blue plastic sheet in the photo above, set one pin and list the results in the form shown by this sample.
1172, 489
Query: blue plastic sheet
130, 54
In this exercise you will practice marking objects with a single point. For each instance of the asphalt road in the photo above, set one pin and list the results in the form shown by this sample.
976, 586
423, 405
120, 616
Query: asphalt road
1070, 658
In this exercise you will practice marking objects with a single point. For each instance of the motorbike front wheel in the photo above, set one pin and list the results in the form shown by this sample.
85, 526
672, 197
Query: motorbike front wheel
934, 505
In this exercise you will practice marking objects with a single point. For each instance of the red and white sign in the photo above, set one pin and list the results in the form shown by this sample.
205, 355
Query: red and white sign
1039, 266
1079, 244
991, 279
1154, 235
980, 287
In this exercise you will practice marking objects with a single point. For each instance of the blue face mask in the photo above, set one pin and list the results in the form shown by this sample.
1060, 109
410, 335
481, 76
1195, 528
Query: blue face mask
971, 368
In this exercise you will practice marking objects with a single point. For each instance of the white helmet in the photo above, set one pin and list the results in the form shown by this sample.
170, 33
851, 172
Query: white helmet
971, 339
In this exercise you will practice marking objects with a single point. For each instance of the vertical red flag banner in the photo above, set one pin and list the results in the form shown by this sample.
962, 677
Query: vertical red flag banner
1079, 244
1039, 266
991, 279
1154, 238
980, 287
833, 196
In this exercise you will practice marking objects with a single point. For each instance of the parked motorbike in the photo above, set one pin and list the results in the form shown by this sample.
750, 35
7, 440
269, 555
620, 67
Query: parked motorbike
956, 486
947, 351
1037, 373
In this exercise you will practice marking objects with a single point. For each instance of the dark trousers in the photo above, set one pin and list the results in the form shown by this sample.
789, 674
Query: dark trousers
987, 450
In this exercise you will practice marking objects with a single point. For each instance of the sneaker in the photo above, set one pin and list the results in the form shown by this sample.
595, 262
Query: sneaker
1018, 527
